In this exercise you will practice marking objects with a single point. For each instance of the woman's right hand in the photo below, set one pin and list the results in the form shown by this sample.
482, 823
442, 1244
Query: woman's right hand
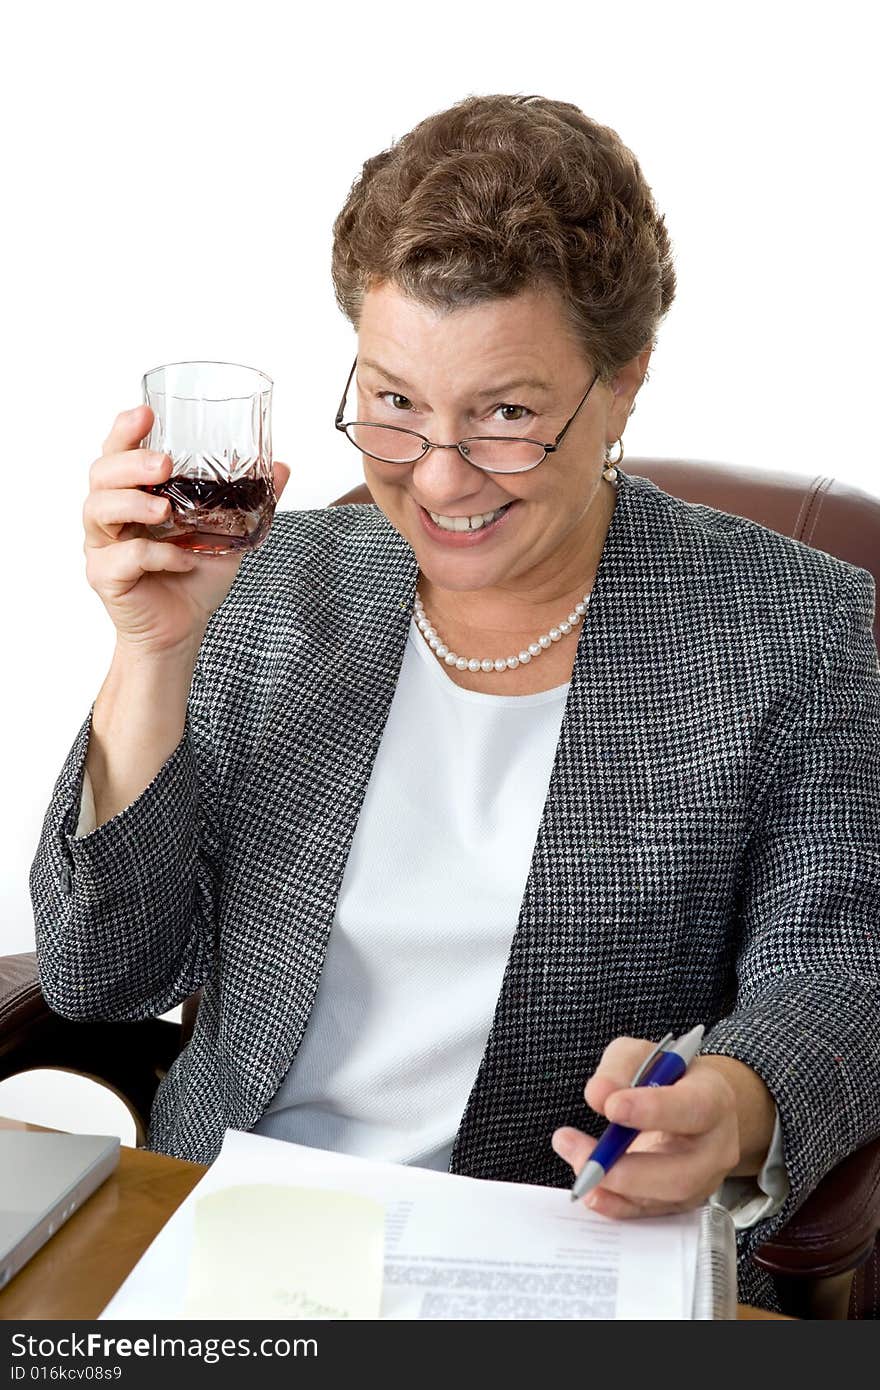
158, 594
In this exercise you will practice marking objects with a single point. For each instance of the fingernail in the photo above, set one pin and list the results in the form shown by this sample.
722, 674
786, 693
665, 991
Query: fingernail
132, 413
592, 1199
157, 462
621, 1111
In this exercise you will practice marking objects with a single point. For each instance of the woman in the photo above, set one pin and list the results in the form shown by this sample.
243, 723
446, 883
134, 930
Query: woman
452, 806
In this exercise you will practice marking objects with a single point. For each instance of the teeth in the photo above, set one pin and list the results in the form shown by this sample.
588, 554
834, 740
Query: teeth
466, 523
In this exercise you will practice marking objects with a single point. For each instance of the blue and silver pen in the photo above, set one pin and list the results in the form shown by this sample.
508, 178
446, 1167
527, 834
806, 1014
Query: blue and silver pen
669, 1061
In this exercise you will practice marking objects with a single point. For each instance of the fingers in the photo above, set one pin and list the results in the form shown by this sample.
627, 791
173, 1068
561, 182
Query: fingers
107, 509
116, 505
694, 1105
281, 473
129, 428
134, 468
617, 1066
624, 1208
686, 1176
676, 1177
575, 1148
122, 463
572, 1146
117, 567
631, 1190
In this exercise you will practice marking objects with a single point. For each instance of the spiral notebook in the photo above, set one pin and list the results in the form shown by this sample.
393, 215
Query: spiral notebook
279, 1230
715, 1275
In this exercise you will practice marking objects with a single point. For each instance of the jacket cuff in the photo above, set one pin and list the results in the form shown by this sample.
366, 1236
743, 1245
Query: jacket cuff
749, 1199
805, 1039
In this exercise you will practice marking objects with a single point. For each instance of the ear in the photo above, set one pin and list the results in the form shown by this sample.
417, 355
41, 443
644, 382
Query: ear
624, 389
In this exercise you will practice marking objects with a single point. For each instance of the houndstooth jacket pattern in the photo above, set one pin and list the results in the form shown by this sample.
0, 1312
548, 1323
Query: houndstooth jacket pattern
709, 849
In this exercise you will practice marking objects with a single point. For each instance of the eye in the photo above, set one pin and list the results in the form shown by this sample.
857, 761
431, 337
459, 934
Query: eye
396, 398
519, 418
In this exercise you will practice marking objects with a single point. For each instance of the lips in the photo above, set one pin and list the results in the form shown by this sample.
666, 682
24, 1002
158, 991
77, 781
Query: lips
467, 538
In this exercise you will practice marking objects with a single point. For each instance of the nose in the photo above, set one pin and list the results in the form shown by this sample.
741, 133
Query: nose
445, 482
443, 473
442, 466
444, 478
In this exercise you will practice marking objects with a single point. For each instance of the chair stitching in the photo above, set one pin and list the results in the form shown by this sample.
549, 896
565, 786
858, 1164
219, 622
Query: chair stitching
818, 499
806, 503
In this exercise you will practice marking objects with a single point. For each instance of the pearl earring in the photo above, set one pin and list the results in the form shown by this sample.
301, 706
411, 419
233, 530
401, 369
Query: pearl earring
609, 472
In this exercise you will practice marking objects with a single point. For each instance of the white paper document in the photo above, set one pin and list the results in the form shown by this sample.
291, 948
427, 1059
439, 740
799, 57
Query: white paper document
279, 1230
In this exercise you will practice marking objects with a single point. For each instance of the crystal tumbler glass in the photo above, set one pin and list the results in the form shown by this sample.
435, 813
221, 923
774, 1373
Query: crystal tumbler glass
214, 419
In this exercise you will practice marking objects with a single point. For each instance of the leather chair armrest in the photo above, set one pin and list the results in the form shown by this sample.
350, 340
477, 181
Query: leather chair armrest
128, 1058
815, 1256
24, 1013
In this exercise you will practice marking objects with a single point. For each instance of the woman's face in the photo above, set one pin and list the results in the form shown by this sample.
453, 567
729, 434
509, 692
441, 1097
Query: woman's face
448, 377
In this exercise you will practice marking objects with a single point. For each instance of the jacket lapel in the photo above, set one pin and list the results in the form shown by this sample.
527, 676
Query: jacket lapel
329, 702
532, 1056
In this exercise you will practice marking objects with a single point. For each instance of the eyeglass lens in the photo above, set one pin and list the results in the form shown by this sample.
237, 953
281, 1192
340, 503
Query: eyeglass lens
400, 446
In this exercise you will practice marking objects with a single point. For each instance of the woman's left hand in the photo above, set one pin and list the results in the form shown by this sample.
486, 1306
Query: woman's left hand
688, 1141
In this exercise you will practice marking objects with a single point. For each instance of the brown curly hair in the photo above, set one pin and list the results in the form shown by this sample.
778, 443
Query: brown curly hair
502, 193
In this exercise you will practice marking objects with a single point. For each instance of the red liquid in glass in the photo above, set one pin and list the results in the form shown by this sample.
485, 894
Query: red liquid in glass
215, 516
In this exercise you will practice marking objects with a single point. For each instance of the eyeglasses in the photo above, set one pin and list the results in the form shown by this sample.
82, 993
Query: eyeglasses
494, 454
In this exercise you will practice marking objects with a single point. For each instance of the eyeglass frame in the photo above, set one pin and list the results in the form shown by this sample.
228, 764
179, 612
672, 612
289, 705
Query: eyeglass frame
429, 444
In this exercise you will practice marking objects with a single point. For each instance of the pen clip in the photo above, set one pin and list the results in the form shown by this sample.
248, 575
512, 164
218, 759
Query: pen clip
649, 1059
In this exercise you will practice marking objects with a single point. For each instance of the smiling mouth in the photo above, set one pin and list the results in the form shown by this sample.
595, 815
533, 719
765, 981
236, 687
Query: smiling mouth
476, 522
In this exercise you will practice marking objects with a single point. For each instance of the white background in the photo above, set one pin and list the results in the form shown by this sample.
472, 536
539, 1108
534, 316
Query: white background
170, 175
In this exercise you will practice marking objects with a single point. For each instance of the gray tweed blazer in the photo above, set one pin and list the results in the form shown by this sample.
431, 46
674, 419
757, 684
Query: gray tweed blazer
709, 849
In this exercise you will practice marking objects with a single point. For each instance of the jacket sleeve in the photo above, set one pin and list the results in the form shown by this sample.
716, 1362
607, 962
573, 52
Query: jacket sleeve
807, 1009
125, 916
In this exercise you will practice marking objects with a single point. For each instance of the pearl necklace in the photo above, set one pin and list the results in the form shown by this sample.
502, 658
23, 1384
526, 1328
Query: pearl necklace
509, 663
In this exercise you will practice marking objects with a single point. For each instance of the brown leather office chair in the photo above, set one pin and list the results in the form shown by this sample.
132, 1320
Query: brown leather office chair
827, 1260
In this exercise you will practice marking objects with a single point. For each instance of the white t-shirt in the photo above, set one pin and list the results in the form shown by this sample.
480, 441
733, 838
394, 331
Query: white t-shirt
425, 917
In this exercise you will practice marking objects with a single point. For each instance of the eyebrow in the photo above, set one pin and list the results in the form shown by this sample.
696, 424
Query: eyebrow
533, 383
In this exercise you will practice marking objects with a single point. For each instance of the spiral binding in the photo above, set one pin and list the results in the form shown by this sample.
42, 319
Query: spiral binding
715, 1283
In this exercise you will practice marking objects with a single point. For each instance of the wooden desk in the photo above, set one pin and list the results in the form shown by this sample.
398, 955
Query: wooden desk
76, 1273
